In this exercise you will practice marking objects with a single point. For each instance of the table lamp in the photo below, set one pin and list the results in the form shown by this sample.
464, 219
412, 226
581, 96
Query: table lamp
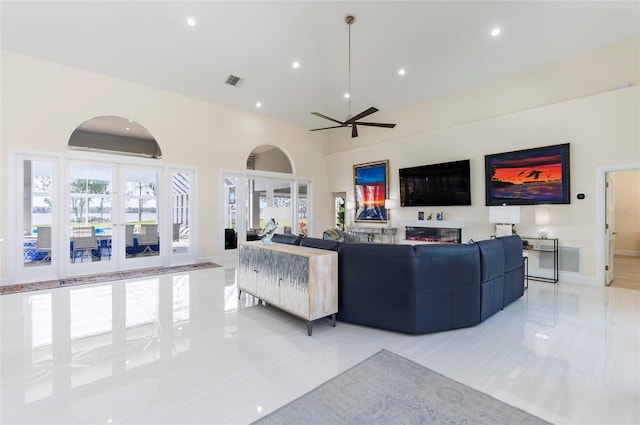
542, 219
505, 216
390, 204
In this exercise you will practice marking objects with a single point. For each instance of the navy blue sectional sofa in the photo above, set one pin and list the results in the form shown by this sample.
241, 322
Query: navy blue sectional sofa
423, 288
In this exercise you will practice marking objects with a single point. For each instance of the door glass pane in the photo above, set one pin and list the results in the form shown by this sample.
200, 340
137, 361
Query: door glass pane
141, 230
252, 209
37, 212
90, 219
301, 208
278, 205
180, 195
230, 222
268, 199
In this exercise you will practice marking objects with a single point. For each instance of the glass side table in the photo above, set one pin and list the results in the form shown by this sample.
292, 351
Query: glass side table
542, 245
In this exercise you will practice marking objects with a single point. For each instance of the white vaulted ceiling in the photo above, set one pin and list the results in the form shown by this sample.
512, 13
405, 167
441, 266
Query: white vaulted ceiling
445, 47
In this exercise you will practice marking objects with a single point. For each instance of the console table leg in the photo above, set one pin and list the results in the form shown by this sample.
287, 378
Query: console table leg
309, 328
333, 320
239, 293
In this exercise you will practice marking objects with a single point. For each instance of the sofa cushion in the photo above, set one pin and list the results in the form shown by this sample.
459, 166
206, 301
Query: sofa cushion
320, 243
447, 286
514, 269
492, 258
338, 235
376, 286
513, 252
288, 239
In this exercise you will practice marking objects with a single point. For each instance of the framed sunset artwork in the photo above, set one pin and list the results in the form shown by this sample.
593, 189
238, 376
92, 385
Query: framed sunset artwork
528, 177
370, 181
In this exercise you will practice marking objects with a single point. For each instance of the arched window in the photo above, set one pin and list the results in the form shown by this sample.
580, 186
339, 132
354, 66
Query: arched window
269, 158
115, 135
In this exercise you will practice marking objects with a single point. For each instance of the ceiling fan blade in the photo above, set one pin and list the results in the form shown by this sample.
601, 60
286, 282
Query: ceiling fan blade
361, 115
327, 128
376, 124
354, 131
318, 114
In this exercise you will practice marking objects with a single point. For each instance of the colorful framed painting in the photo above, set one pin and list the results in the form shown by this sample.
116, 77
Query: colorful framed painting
370, 182
529, 177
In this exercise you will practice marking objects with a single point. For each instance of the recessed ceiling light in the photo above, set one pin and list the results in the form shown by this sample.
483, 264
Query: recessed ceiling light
402, 71
127, 128
495, 32
347, 95
191, 22
296, 65
258, 105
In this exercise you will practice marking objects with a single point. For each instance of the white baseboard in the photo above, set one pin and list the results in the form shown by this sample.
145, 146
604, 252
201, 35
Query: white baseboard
568, 277
208, 260
627, 252
580, 279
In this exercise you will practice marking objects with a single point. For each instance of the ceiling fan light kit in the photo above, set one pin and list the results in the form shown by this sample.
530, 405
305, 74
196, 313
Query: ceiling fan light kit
352, 121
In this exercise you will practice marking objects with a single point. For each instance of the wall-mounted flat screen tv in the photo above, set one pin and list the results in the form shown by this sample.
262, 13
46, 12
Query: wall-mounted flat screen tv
436, 185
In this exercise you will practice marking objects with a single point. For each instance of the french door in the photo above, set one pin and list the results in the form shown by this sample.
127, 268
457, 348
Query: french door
113, 217
84, 218
251, 199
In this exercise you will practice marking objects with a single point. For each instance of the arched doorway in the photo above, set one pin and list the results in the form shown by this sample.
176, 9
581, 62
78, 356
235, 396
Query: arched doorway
266, 189
108, 204
113, 213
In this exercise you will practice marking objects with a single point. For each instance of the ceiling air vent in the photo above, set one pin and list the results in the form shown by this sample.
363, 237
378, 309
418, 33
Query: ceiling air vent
234, 81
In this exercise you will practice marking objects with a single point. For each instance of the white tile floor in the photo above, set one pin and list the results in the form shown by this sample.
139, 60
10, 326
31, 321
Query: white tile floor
181, 349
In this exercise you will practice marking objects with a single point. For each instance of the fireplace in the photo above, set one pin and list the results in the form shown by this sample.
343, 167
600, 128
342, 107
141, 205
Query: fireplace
430, 234
437, 231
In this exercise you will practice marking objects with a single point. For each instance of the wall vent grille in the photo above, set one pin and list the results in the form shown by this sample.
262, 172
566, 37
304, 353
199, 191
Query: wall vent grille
234, 81
569, 259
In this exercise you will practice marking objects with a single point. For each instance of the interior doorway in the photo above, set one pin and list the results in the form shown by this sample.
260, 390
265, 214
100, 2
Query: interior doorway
621, 205
623, 228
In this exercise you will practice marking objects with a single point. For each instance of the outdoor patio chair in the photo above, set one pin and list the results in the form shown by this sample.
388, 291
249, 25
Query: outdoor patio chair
84, 243
149, 238
128, 240
43, 243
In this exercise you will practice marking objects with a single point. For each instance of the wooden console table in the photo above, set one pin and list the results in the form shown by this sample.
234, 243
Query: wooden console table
299, 280
373, 234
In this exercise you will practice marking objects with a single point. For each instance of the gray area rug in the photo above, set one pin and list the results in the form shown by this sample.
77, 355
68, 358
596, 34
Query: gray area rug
389, 389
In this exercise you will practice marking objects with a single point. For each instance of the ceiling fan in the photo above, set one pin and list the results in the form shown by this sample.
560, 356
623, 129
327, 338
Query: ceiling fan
352, 121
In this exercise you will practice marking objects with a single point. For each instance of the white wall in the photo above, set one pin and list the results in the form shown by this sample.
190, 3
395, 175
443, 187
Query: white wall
568, 101
603, 128
575, 77
43, 103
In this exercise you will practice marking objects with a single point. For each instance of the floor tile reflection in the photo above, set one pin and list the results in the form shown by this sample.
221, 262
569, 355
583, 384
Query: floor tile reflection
182, 348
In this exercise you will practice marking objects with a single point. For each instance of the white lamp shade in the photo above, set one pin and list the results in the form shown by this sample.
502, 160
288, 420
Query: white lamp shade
504, 214
542, 216
390, 204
